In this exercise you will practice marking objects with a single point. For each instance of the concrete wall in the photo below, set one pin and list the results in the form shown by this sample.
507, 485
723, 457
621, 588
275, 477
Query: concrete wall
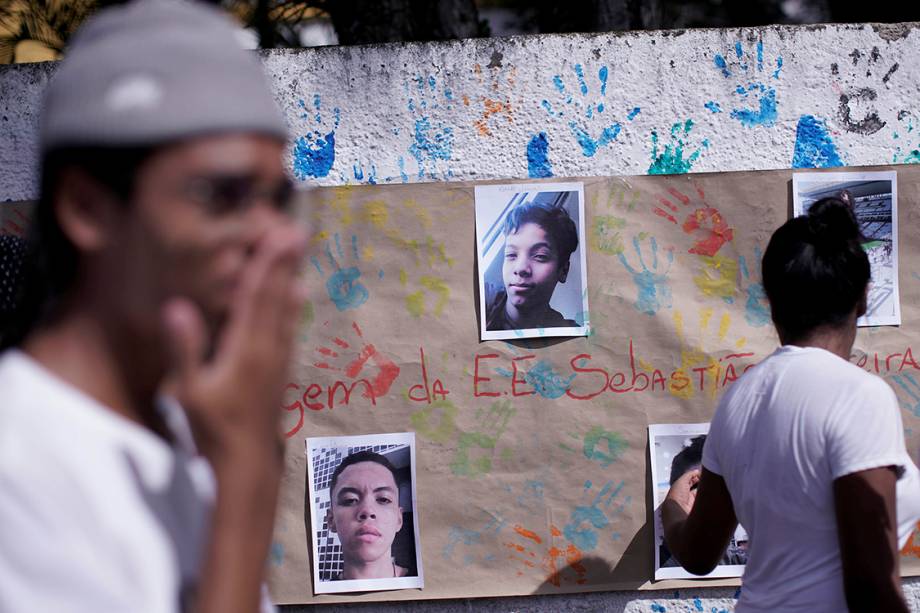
572, 105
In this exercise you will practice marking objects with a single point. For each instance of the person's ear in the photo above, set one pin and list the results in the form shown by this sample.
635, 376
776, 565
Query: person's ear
863, 305
330, 520
564, 271
399, 527
86, 211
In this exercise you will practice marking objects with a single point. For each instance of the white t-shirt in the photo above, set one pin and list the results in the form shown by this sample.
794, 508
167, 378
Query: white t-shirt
96, 512
781, 435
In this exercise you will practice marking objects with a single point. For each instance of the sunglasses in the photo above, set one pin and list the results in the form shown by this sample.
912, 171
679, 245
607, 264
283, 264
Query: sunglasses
222, 194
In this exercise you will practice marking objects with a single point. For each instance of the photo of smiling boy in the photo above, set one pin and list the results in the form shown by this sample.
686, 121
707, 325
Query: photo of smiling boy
362, 513
532, 272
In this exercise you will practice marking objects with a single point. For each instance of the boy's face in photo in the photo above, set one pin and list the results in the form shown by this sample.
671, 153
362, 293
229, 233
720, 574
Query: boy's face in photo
365, 512
531, 267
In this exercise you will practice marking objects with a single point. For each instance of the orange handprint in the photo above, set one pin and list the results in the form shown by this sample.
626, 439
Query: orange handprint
549, 560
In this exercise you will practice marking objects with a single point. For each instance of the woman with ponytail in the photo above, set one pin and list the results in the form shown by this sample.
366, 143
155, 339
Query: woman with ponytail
806, 450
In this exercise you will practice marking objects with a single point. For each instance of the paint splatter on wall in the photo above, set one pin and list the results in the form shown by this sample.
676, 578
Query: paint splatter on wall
432, 137
857, 83
670, 160
314, 153
731, 84
584, 110
754, 96
538, 164
814, 147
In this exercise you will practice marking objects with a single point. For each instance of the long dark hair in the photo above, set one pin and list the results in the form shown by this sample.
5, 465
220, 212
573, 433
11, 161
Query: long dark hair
50, 266
815, 271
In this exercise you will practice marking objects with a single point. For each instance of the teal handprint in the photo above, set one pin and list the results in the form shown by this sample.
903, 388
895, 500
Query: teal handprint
907, 150
670, 159
757, 308
343, 284
908, 384
586, 520
652, 284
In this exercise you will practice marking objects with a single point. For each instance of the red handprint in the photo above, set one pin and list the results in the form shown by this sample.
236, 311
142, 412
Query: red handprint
387, 371
706, 224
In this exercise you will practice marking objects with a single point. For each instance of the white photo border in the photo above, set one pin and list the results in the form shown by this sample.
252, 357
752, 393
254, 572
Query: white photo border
659, 430
843, 177
512, 188
363, 585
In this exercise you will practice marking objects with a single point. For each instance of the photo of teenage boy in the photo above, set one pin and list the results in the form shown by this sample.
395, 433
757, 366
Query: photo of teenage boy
361, 513
691, 458
540, 239
366, 515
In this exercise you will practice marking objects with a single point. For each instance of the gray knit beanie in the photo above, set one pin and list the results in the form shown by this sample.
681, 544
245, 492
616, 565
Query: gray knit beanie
155, 71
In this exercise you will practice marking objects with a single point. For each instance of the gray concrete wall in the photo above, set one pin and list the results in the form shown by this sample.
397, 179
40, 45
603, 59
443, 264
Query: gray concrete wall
572, 105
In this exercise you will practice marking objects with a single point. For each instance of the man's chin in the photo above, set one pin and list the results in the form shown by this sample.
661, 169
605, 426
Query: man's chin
527, 306
369, 556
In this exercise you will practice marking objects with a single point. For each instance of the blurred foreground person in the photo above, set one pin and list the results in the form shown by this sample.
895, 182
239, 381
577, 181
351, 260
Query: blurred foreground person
806, 450
160, 249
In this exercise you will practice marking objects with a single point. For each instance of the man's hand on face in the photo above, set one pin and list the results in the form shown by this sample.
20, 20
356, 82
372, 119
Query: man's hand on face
233, 396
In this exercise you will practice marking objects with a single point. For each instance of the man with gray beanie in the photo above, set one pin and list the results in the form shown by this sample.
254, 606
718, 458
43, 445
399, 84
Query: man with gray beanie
160, 256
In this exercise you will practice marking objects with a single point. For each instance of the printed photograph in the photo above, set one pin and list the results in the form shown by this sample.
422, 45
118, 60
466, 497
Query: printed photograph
531, 250
363, 513
874, 199
675, 450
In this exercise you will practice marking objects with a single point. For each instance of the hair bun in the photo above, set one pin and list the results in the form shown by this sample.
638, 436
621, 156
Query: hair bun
831, 224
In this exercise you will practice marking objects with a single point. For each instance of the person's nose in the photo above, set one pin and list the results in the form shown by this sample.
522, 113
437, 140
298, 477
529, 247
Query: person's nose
261, 220
521, 267
366, 511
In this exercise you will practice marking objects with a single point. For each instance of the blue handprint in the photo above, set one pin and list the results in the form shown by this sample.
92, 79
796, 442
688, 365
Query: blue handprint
371, 175
908, 383
758, 99
652, 285
584, 112
757, 308
314, 154
547, 382
432, 141
343, 285
596, 515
